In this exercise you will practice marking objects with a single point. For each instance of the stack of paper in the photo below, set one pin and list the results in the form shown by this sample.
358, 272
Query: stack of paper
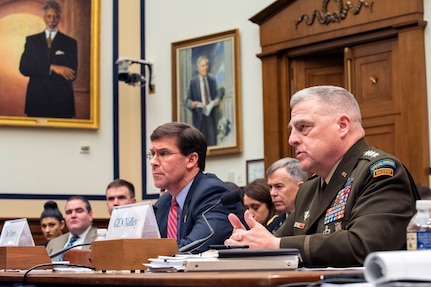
227, 260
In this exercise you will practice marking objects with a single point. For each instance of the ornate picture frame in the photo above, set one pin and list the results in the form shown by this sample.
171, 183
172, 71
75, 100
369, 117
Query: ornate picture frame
80, 20
218, 116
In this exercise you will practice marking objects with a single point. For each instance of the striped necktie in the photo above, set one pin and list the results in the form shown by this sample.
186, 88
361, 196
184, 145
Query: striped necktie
69, 244
173, 219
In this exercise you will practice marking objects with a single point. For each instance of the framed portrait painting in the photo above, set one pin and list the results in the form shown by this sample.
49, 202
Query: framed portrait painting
206, 89
50, 79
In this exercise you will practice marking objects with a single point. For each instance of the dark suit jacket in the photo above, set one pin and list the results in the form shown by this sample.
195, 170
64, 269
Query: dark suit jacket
379, 203
58, 243
206, 124
204, 192
49, 94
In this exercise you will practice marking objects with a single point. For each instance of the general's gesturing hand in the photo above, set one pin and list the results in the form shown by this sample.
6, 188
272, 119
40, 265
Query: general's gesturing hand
257, 237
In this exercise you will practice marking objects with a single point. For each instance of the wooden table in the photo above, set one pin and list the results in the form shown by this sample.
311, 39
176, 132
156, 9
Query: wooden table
216, 279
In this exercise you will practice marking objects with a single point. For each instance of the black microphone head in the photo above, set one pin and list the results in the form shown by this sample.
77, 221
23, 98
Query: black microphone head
231, 198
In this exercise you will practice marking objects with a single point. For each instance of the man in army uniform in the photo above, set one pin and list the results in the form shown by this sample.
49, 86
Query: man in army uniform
358, 201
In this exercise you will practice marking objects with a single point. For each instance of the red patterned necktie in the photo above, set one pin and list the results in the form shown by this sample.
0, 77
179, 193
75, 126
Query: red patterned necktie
207, 97
173, 219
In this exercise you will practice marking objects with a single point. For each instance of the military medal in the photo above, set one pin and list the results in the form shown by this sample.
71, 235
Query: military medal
336, 211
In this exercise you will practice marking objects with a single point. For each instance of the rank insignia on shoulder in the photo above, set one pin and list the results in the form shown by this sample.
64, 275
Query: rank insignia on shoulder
371, 153
383, 167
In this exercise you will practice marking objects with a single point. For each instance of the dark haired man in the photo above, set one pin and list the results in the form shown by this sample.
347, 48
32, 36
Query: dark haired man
177, 155
79, 222
119, 192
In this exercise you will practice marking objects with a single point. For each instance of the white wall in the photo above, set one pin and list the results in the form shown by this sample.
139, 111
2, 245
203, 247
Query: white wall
171, 21
48, 160
38, 160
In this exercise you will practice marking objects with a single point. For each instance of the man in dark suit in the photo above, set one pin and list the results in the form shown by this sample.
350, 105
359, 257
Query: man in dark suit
203, 100
177, 154
50, 59
79, 221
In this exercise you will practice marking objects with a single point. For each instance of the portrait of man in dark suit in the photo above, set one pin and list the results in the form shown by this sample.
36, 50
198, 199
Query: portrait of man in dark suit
206, 90
50, 60
203, 100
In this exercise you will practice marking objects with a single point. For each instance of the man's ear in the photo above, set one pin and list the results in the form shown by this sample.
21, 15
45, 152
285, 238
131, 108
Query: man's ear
344, 123
192, 160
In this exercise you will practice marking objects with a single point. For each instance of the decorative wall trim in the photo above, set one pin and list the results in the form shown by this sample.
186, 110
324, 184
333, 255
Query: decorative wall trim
325, 17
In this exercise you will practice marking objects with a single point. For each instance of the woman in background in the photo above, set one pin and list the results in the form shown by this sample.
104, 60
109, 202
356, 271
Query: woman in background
257, 199
51, 221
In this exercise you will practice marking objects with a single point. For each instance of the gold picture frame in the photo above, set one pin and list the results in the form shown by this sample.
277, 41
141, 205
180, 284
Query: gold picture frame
80, 19
220, 118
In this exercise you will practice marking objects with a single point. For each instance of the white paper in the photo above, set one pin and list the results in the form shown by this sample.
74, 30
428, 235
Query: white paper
385, 266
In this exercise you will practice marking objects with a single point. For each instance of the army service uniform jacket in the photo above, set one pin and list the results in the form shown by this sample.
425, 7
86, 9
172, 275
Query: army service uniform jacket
365, 207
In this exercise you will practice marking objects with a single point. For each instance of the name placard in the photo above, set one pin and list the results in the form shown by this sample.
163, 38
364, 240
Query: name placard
16, 233
133, 221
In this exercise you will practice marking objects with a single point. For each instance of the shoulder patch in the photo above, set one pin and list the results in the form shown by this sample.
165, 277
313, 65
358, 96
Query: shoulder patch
383, 167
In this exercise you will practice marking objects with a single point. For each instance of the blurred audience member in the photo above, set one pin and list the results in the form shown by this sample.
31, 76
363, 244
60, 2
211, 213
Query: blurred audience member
257, 200
51, 220
285, 176
424, 191
119, 192
79, 222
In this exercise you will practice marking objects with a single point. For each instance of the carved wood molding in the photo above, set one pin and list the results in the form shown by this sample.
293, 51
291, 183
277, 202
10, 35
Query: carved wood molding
325, 17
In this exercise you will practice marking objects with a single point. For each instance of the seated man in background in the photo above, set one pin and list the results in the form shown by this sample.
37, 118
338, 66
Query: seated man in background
284, 177
79, 220
119, 192
360, 199
177, 156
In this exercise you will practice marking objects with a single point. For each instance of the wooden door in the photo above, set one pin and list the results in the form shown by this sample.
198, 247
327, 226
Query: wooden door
373, 85
317, 70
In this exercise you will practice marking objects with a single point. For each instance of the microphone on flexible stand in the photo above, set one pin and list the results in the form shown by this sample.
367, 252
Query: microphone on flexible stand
64, 250
230, 198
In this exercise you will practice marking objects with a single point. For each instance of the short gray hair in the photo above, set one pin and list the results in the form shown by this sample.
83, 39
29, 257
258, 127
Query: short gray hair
52, 5
291, 165
336, 98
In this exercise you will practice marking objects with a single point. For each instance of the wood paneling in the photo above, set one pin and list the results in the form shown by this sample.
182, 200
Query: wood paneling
383, 48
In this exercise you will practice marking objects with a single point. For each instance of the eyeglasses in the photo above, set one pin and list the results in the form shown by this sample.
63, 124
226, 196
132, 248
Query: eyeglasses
162, 155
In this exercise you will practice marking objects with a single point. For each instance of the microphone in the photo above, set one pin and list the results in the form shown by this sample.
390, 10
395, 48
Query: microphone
230, 198
64, 250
